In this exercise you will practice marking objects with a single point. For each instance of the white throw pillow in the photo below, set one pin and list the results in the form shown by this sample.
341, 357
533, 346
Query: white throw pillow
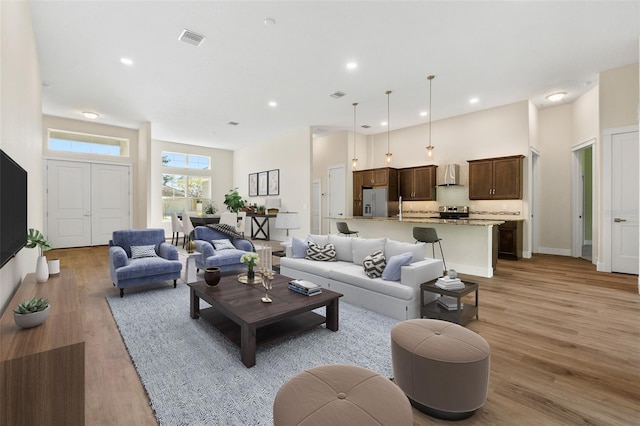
363, 247
138, 252
224, 244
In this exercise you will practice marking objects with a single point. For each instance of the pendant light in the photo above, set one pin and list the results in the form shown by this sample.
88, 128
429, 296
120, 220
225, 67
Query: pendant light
430, 147
354, 161
388, 92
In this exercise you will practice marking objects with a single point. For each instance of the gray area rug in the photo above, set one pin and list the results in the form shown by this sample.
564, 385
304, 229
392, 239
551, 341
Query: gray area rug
194, 376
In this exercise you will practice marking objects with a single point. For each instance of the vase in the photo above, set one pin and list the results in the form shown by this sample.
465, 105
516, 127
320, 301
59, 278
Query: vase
191, 247
251, 275
54, 266
42, 269
33, 319
212, 276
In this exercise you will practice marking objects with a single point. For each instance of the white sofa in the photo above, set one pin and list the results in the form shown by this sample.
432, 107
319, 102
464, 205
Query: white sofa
397, 299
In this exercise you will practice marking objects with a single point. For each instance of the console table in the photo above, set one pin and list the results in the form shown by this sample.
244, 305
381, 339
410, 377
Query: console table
42, 368
260, 226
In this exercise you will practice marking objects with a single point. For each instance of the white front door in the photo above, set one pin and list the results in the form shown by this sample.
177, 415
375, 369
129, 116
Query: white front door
68, 203
86, 202
624, 203
110, 201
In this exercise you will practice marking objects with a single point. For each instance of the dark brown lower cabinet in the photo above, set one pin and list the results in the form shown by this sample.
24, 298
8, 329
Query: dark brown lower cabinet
510, 240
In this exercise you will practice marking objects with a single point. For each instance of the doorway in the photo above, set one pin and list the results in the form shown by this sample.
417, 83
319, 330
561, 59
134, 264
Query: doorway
86, 202
582, 188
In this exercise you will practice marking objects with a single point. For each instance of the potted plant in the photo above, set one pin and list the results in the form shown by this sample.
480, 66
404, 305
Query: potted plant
261, 209
234, 201
31, 312
35, 238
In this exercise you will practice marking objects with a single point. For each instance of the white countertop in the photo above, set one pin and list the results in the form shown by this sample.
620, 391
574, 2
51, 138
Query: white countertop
466, 222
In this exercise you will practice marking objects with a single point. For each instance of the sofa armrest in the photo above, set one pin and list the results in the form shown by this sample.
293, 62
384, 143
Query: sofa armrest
420, 272
242, 244
167, 251
118, 257
204, 247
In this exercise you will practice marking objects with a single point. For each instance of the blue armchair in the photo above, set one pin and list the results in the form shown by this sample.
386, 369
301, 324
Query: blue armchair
141, 256
227, 260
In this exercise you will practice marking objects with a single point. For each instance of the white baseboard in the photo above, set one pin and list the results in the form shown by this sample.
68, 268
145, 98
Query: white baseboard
555, 251
526, 255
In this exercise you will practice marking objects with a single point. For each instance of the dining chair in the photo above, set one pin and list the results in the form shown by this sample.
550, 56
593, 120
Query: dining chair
229, 218
187, 229
242, 216
176, 228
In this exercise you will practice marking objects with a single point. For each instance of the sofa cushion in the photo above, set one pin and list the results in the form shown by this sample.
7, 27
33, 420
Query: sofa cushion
147, 266
321, 269
225, 257
362, 247
394, 248
343, 247
354, 275
392, 270
223, 244
320, 240
299, 247
326, 253
374, 264
138, 252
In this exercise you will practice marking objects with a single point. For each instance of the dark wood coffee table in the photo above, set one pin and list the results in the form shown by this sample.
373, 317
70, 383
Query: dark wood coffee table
239, 314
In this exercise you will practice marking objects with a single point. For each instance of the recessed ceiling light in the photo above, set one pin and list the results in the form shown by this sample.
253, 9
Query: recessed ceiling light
126, 61
90, 115
423, 113
474, 100
556, 97
352, 66
273, 104
269, 22
384, 123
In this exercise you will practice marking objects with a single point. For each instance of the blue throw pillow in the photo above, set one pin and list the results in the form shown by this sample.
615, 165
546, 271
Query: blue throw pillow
138, 252
299, 248
392, 270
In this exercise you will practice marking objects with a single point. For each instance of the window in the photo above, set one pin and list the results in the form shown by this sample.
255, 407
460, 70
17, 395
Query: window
185, 161
182, 193
82, 143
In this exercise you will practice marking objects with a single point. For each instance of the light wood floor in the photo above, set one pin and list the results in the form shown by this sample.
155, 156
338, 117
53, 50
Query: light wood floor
565, 345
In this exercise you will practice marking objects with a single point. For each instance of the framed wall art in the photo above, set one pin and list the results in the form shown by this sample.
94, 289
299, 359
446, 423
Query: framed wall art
253, 184
262, 183
274, 182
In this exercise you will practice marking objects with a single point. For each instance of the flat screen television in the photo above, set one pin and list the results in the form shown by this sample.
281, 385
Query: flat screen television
13, 208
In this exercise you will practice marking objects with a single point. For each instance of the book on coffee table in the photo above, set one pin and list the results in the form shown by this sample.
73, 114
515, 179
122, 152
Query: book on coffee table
305, 287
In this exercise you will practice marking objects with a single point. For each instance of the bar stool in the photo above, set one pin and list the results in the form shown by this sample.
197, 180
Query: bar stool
429, 235
343, 228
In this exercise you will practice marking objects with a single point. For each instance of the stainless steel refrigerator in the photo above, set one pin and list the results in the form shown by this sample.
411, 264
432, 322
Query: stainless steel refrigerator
374, 202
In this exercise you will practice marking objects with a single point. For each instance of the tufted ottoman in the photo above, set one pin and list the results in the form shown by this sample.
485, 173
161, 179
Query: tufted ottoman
340, 395
442, 367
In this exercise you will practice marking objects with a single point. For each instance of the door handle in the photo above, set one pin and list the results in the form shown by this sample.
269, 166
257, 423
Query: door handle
617, 219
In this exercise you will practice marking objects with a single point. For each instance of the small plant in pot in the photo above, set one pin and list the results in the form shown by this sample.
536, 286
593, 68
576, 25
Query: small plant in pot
31, 312
35, 238
234, 201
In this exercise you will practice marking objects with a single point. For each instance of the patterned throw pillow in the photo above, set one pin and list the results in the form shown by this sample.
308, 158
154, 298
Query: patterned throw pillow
325, 253
138, 252
374, 264
223, 244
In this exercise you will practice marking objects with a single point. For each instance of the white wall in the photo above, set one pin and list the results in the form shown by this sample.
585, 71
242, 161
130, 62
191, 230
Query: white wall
20, 126
291, 153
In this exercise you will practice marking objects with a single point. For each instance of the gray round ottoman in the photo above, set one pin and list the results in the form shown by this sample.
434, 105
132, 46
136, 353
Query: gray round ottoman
442, 367
341, 395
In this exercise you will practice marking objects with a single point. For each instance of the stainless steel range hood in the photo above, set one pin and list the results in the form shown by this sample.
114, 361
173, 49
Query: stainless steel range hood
449, 174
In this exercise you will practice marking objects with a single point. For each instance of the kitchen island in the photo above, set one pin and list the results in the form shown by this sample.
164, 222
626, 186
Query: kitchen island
470, 245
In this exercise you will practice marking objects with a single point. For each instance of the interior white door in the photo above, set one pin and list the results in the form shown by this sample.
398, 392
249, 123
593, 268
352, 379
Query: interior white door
68, 203
316, 207
336, 191
110, 203
624, 203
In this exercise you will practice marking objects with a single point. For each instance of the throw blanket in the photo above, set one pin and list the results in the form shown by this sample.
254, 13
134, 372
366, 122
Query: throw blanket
231, 232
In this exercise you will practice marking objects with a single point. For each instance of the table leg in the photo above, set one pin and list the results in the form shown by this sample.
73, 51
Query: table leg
332, 315
194, 304
248, 345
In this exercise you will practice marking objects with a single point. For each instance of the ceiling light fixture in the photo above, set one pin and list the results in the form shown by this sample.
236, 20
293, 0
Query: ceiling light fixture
388, 155
430, 147
556, 97
269, 21
423, 113
354, 161
90, 115
126, 61
474, 100
273, 104
352, 66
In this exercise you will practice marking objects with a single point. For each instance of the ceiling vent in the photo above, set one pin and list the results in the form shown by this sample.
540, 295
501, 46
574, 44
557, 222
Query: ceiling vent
337, 95
365, 126
191, 38
233, 123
